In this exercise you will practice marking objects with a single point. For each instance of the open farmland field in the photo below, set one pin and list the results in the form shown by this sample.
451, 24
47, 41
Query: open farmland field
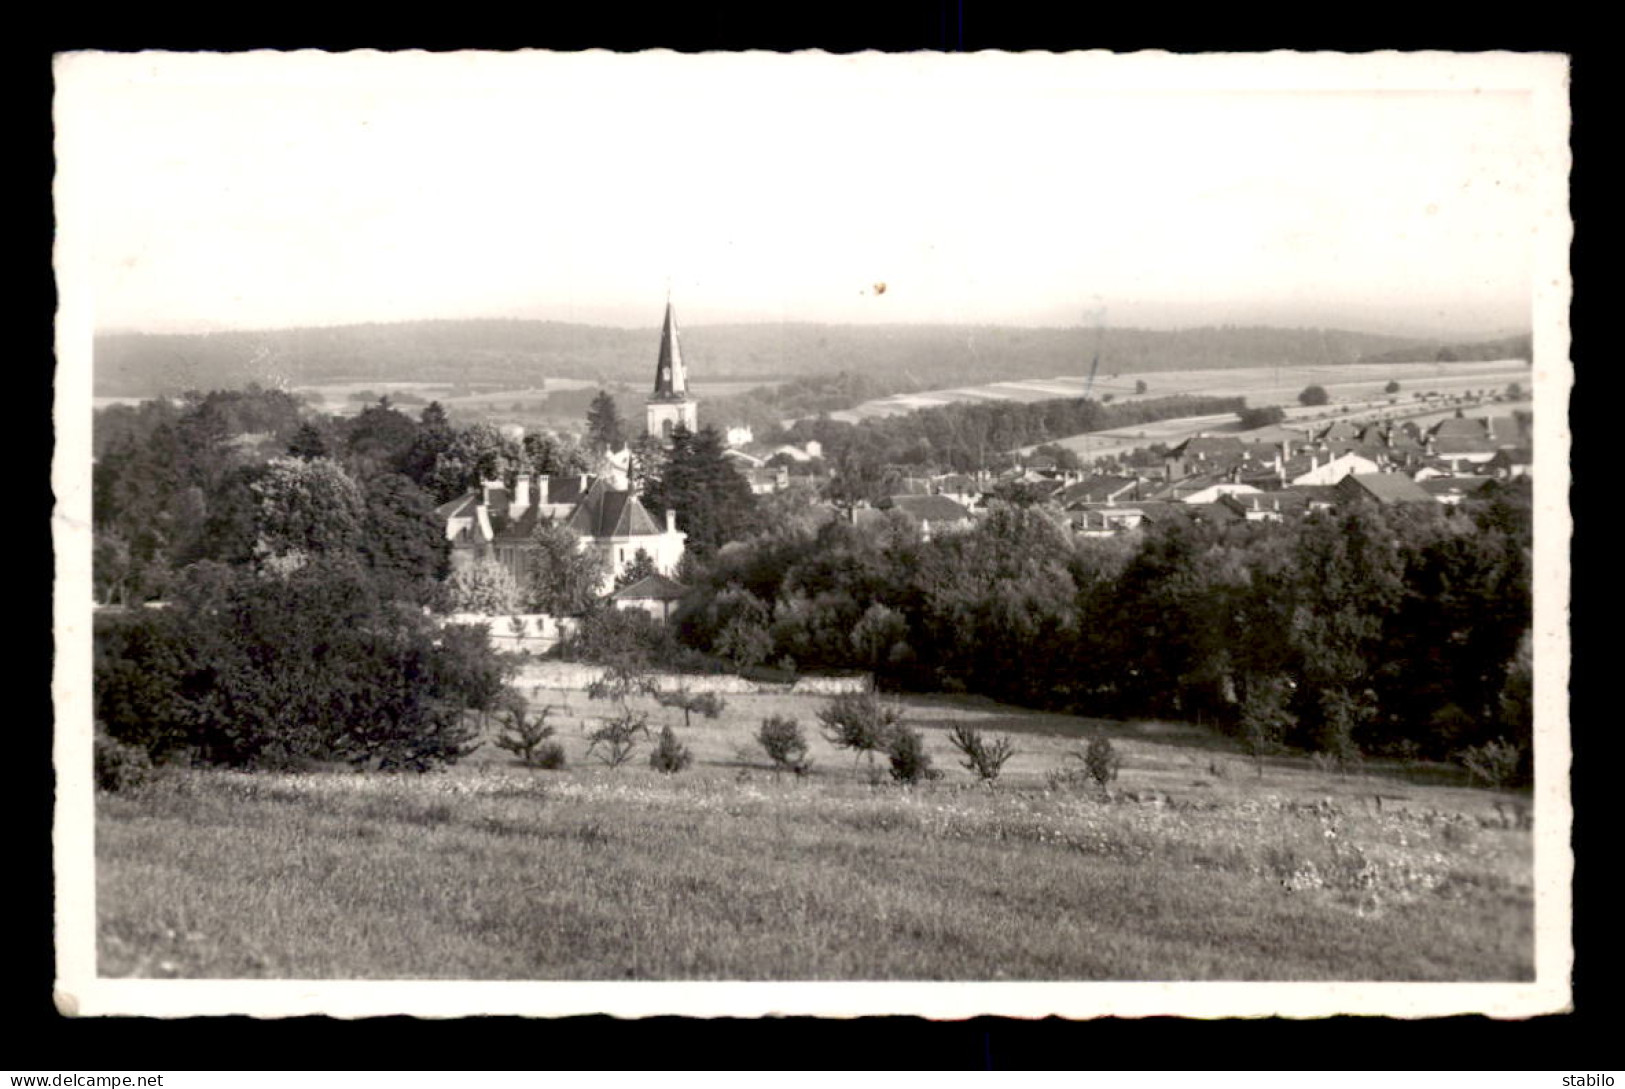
1263, 385
1172, 432
1194, 867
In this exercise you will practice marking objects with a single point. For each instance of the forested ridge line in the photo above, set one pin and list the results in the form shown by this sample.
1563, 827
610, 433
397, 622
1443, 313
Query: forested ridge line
898, 358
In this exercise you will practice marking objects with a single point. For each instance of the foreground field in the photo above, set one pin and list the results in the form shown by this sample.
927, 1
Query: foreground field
1193, 868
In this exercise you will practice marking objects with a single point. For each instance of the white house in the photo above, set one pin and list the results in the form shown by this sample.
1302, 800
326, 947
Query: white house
1212, 492
1336, 469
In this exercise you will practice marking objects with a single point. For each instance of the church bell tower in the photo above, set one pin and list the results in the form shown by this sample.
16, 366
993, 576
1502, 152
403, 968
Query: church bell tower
670, 404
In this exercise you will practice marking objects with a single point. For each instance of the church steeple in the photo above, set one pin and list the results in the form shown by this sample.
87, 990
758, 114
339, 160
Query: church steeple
671, 380
670, 406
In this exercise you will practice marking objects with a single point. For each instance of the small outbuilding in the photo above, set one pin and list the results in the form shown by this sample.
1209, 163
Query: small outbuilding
656, 595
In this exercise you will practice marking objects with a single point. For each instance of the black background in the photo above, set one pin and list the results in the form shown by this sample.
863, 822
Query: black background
36, 1038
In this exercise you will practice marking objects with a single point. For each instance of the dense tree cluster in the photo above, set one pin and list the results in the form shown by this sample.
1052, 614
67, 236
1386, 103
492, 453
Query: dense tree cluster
1370, 630
295, 554
252, 476
713, 502
1518, 347
255, 670
1262, 416
966, 436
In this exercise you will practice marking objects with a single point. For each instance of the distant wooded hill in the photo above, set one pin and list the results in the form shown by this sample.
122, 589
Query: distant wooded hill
1518, 347
513, 353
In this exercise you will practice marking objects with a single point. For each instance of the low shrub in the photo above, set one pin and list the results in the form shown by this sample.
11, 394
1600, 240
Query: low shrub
523, 735
859, 721
615, 739
120, 767
1102, 760
670, 755
910, 763
785, 743
709, 704
549, 757
985, 758
1067, 779
1494, 762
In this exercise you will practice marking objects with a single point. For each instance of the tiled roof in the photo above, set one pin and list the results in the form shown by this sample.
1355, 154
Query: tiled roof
656, 587
1513, 455
564, 489
1446, 485
605, 512
461, 507
1213, 512
1272, 501
1310, 493
1159, 511
1208, 446
1385, 487
930, 508
1460, 426
1463, 444
1095, 489
517, 529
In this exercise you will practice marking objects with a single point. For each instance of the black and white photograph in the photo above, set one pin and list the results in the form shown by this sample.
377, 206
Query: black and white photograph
734, 534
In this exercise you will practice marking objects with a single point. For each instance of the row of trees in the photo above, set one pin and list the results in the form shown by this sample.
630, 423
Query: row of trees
971, 435
1375, 629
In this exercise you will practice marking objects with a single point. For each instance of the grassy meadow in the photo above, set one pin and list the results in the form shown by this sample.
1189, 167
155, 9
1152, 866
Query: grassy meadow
1193, 867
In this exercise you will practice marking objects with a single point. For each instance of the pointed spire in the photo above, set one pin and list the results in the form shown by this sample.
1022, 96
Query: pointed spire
671, 381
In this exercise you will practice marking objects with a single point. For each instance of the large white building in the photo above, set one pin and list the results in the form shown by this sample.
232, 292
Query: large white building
494, 523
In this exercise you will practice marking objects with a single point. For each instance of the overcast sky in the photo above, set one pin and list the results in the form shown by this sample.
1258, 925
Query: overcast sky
268, 190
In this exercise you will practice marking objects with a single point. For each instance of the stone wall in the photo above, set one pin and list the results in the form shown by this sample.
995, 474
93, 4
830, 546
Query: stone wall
577, 675
537, 633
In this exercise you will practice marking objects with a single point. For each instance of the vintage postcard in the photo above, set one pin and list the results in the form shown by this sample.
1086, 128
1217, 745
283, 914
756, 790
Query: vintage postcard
745, 534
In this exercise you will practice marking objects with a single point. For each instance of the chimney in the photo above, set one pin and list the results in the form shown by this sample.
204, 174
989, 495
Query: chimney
521, 497
583, 483
541, 490
671, 521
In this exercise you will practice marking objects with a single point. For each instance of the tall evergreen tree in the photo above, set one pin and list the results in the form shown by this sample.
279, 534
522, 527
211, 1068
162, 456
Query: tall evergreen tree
713, 502
434, 435
605, 429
